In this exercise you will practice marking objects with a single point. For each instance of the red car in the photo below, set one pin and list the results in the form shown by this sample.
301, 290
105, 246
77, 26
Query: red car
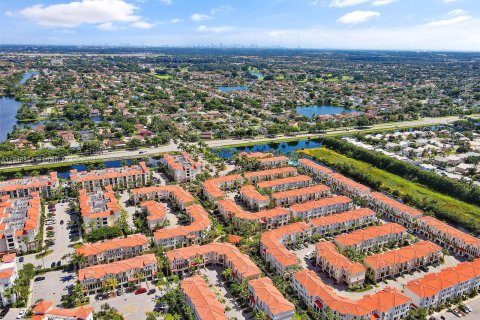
140, 290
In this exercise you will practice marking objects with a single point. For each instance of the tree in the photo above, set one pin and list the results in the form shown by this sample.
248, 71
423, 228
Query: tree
111, 284
134, 144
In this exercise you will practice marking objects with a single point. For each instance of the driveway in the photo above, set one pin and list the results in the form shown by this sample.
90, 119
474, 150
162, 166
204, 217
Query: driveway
474, 315
52, 287
130, 305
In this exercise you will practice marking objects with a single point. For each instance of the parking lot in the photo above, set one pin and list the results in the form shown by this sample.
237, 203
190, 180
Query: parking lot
52, 287
474, 315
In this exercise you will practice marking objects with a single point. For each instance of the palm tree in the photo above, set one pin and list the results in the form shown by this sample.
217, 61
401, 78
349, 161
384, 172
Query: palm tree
78, 260
111, 283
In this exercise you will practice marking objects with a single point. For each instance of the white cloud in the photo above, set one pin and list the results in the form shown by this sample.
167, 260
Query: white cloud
346, 3
382, 2
457, 12
200, 17
175, 20
103, 13
9, 13
167, 2
218, 29
141, 25
221, 9
358, 17
448, 22
450, 1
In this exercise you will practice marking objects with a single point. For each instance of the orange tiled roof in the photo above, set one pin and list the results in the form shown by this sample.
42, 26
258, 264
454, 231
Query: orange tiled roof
277, 182
446, 229
255, 155
273, 159
432, 283
265, 291
315, 166
200, 222
232, 208
300, 192
99, 271
155, 210
212, 186
203, 299
325, 202
249, 191
271, 173
91, 249
397, 205
29, 183
110, 173
344, 180
342, 217
45, 308
111, 205
329, 252
361, 235
178, 192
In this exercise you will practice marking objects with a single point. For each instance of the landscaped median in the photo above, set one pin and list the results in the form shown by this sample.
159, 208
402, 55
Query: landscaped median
442, 206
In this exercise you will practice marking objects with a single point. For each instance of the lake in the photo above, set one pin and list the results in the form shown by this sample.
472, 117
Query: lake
236, 88
27, 76
8, 111
311, 111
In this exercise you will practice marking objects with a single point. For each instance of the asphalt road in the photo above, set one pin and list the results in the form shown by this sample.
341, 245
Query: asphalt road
125, 154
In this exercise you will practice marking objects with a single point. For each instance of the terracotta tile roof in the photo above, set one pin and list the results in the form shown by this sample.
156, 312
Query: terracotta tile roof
29, 183
361, 235
300, 192
91, 249
213, 186
178, 192
349, 182
200, 222
314, 204
270, 173
314, 166
203, 299
155, 210
232, 208
109, 173
273, 159
264, 290
175, 162
97, 205
45, 308
42, 307
446, 229
282, 181
414, 213
255, 155
402, 255
101, 270
342, 217
240, 262
432, 283
328, 251
251, 192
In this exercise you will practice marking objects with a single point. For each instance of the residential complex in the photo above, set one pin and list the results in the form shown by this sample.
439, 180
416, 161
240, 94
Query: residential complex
214, 188
396, 211
293, 182
289, 197
270, 174
98, 209
23, 187
266, 297
156, 213
202, 299
8, 274
343, 222
181, 167
175, 194
46, 310
321, 207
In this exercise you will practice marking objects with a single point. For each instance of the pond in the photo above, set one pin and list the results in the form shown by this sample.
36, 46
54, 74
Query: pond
274, 147
27, 76
312, 111
8, 110
235, 88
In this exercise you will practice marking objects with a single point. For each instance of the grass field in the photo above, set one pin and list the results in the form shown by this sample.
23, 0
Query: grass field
405, 187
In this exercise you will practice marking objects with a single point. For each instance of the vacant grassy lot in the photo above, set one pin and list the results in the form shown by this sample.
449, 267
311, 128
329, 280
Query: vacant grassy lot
464, 214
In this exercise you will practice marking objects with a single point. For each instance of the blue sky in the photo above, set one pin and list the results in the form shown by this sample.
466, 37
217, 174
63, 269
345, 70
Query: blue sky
343, 24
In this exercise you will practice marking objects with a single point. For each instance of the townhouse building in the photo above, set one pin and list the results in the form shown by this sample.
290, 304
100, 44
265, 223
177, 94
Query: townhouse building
8, 274
269, 162
372, 238
194, 233
273, 250
399, 261
46, 310
394, 210
288, 183
264, 296
321, 207
214, 188
24, 187
386, 304
343, 222
289, 197
98, 209
112, 250
449, 237
434, 289
255, 155
20, 223
202, 299
254, 199
156, 213
347, 186
183, 260
178, 197
181, 167
337, 266
127, 177
266, 219
270, 174
309, 166
93, 278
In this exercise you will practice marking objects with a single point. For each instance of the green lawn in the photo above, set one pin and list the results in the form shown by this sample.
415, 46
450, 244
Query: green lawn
391, 182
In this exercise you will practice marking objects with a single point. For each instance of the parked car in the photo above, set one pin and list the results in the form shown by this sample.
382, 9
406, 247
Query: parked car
455, 312
61, 221
4, 312
21, 314
21, 259
50, 228
41, 278
140, 290
151, 291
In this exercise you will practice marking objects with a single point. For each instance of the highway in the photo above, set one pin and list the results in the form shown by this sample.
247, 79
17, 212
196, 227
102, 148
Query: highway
172, 146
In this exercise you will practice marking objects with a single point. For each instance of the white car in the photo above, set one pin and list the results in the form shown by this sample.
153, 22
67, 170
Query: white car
21, 314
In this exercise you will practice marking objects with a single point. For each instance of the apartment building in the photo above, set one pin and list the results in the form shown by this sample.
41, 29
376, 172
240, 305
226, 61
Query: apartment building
449, 237
267, 219
202, 299
289, 197
178, 196
288, 183
181, 167
127, 177
93, 278
255, 155
24, 187
214, 188
46, 310
19, 223
270, 162
343, 222
434, 289
337, 266
314, 168
112, 250
270, 174
321, 207
273, 250
252, 198
264, 296
386, 304
406, 259
217, 253
156, 213
98, 209
394, 210
346, 186
180, 236
8, 274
